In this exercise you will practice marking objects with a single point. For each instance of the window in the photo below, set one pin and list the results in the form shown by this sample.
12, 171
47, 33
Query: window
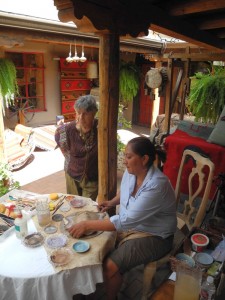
30, 79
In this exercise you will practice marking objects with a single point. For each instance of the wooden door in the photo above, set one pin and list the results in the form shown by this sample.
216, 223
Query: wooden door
145, 101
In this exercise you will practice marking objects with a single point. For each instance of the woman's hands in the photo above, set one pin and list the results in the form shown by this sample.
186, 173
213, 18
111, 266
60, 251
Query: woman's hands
105, 206
78, 229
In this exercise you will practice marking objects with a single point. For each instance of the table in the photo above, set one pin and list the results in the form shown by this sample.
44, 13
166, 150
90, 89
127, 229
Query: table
26, 273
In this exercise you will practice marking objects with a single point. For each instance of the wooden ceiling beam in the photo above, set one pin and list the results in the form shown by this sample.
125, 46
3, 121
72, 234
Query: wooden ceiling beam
195, 6
186, 56
124, 18
213, 23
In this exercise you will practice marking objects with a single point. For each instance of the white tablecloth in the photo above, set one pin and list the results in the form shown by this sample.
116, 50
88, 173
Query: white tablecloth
26, 273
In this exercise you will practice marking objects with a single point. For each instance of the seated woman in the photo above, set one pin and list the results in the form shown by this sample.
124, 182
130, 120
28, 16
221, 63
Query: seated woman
146, 220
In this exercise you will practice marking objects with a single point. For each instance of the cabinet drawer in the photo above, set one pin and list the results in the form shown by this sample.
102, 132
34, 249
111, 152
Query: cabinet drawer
73, 74
67, 107
68, 85
73, 95
74, 65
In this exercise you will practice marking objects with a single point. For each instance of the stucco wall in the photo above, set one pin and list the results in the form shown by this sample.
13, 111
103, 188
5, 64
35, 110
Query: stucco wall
52, 82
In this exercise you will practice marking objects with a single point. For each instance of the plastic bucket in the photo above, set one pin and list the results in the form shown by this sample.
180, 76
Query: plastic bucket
199, 242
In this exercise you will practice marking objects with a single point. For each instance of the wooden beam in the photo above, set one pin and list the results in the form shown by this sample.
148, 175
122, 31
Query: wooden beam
192, 56
213, 23
168, 98
195, 6
108, 113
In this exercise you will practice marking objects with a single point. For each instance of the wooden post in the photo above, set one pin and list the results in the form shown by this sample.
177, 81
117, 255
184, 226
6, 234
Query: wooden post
156, 102
168, 100
21, 117
108, 114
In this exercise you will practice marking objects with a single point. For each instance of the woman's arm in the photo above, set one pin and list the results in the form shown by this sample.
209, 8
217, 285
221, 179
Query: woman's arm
79, 229
106, 205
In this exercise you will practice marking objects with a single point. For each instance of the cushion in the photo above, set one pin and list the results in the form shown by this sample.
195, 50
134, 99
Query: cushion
218, 134
197, 129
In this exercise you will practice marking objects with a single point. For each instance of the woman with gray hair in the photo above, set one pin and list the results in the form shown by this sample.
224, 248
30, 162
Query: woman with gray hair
79, 145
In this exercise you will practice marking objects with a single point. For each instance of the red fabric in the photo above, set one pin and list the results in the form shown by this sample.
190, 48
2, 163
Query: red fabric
175, 145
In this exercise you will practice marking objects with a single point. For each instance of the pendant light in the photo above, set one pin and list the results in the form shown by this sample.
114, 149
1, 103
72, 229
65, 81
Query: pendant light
75, 58
69, 59
92, 67
83, 58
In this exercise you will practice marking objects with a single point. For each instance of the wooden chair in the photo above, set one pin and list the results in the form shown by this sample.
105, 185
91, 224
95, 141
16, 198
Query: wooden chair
192, 214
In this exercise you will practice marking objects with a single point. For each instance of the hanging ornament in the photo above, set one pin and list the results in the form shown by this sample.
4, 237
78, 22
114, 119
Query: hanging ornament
83, 58
69, 59
75, 58
92, 69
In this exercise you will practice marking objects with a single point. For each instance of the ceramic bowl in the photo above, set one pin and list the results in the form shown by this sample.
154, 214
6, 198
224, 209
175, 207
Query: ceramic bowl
186, 259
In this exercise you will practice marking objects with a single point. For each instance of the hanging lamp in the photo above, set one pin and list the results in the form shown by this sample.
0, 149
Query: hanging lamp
69, 59
75, 58
92, 67
82, 58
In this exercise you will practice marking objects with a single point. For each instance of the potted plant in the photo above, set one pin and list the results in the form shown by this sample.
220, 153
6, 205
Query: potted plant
8, 83
7, 183
207, 95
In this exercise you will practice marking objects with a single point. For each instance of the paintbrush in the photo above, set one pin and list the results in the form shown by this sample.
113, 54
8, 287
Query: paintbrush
60, 203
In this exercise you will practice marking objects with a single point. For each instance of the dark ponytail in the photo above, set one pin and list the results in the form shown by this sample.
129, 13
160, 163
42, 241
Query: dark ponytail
143, 146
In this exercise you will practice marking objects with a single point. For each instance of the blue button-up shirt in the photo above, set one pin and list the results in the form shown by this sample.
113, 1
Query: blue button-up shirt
152, 209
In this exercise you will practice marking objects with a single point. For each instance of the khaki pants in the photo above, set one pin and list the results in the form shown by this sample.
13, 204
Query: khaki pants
82, 188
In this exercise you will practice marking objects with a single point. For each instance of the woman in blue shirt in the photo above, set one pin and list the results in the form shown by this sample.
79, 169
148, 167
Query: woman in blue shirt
146, 221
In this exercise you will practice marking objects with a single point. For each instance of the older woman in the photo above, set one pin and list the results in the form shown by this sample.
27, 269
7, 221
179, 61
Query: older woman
79, 145
147, 216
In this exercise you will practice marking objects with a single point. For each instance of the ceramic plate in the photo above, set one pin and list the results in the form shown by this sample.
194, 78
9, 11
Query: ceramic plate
3, 228
69, 197
57, 241
74, 218
65, 207
50, 229
203, 259
81, 247
60, 257
76, 203
33, 240
57, 217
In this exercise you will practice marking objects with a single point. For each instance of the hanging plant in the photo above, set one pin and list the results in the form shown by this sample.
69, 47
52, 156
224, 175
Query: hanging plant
8, 83
129, 81
207, 95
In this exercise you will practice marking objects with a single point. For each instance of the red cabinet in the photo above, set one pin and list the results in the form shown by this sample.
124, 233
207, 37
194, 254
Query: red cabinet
74, 83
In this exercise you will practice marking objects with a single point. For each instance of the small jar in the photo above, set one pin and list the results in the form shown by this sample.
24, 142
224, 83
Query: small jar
43, 211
